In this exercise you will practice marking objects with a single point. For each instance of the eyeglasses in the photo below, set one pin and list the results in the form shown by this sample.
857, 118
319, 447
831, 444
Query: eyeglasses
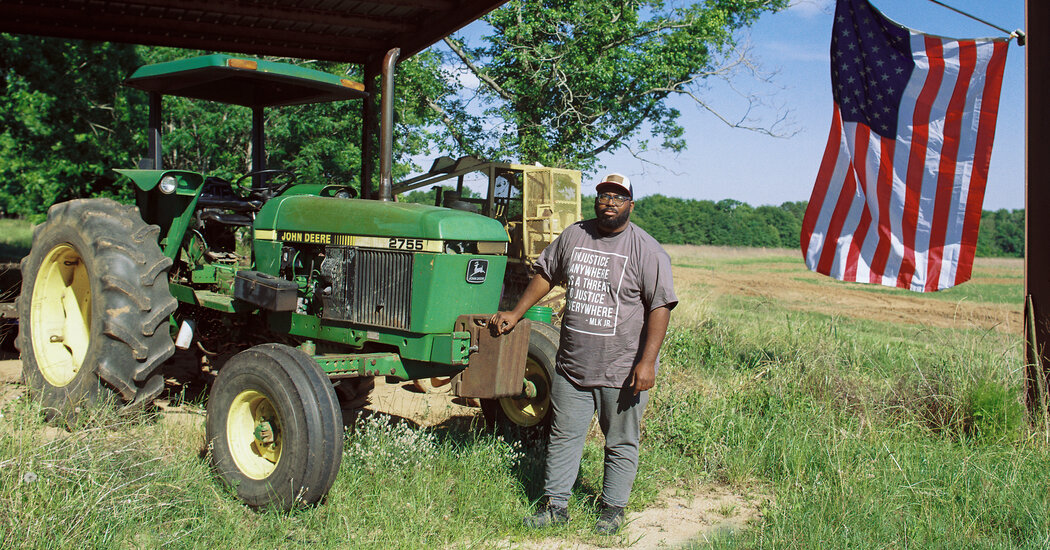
612, 198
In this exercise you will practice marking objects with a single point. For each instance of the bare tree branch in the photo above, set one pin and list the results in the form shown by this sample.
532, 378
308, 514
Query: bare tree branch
482, 75
463, 143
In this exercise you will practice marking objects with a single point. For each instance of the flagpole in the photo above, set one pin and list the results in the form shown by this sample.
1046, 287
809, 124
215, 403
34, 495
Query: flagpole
1037, 204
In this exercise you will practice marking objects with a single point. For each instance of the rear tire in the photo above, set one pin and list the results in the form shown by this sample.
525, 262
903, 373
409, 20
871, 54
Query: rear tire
522, 417
94, 308
274, 427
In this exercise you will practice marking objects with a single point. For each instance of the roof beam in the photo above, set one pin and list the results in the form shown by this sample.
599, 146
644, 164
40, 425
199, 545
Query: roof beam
282, 13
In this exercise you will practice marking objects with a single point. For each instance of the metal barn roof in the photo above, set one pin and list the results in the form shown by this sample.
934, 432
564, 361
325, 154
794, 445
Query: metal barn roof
350, 31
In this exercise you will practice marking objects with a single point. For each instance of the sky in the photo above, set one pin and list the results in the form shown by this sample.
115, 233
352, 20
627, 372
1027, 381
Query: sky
731, 163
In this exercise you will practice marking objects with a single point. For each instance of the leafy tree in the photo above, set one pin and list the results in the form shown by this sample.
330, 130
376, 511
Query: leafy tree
569, 79
64, 121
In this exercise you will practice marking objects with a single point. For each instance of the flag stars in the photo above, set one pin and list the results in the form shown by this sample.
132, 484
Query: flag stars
865, 63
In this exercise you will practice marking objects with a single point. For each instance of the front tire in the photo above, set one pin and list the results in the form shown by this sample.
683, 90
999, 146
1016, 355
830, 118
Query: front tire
274, 427
94, 308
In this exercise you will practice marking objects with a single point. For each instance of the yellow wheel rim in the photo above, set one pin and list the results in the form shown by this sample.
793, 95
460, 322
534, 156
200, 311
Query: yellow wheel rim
60, 315
529, 411
253, 434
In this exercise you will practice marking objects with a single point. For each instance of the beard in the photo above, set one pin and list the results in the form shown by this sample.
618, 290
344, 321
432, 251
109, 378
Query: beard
614, 222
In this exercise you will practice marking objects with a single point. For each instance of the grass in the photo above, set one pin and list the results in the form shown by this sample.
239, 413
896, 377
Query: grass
16, 236
864, 434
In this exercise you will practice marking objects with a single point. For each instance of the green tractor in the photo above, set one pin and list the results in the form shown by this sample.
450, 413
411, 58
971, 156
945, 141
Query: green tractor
297, 293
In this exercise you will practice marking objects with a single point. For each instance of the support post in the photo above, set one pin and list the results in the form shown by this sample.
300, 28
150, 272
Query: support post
1037, 202
369, 130
258, 147
153, 132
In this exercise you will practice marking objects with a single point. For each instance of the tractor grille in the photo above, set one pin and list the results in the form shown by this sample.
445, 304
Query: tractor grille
371, 287
380, 288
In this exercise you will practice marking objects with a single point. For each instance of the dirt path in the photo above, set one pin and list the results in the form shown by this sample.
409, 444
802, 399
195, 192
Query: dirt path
678, 519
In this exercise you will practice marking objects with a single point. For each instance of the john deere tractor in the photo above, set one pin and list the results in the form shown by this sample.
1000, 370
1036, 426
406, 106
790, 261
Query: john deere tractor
297, 292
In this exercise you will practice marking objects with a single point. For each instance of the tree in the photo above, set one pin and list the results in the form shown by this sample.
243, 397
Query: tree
64, 121
566, 80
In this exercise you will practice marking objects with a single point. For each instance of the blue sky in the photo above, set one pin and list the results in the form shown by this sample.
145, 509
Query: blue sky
723, 162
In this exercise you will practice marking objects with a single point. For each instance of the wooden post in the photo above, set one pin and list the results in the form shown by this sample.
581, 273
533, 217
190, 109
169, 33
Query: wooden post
369, 129
1037, 204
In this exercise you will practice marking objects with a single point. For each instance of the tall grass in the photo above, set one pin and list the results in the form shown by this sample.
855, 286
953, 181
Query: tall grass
867, 434
862, 433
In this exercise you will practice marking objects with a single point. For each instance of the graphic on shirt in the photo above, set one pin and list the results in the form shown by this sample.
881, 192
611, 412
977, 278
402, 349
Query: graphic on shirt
593, 279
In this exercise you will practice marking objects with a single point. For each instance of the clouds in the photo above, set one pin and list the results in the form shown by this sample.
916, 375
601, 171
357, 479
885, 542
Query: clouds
811, 8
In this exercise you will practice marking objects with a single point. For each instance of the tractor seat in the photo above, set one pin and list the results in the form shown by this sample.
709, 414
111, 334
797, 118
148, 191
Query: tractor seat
218, 193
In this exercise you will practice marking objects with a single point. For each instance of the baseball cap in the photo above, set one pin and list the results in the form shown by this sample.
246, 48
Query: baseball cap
617, 180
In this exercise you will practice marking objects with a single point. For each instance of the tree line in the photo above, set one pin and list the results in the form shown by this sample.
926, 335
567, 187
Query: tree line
728, 222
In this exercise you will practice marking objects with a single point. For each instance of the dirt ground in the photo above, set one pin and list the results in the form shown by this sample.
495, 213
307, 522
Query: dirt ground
792, 285
677, 518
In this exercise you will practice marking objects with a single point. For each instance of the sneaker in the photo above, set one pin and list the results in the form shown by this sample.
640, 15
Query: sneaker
610, 521
546, 515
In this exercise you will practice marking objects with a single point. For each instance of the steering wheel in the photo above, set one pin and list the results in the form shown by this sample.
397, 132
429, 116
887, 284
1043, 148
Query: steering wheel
268, 190
292, 176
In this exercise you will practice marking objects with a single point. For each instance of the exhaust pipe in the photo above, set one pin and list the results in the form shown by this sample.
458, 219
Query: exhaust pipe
386, 128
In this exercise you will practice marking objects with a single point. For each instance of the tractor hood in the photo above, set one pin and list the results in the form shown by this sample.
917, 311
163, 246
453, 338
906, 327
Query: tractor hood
314, 214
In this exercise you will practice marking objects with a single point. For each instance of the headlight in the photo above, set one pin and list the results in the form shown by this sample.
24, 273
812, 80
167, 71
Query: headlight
167, 185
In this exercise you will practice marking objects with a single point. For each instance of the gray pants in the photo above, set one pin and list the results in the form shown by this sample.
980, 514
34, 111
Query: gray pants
619, 415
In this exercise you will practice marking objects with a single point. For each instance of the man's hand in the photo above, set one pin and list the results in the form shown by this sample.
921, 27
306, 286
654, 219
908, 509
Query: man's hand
503, 322
643, 377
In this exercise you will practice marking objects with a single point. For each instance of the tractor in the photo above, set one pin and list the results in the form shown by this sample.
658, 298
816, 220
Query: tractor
297, 293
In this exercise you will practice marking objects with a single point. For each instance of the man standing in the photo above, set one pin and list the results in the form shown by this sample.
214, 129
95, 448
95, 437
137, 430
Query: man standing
619, 300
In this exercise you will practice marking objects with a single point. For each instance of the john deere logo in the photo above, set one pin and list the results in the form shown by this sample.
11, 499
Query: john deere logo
476, 271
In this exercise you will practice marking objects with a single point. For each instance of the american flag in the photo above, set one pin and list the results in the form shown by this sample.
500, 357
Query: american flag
898, 197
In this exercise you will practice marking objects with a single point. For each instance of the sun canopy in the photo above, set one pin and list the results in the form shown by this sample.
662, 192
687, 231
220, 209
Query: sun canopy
244, 81
348, 31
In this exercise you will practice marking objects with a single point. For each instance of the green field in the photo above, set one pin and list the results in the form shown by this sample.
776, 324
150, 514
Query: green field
851, 432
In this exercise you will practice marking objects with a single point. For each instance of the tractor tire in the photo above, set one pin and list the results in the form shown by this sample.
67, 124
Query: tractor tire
274, 427
523, 417
94, 308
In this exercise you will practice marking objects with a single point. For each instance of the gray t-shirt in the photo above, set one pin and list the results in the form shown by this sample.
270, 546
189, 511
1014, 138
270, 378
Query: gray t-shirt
613, 281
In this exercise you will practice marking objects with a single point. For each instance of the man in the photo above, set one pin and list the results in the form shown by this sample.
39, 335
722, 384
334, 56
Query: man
619, 301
